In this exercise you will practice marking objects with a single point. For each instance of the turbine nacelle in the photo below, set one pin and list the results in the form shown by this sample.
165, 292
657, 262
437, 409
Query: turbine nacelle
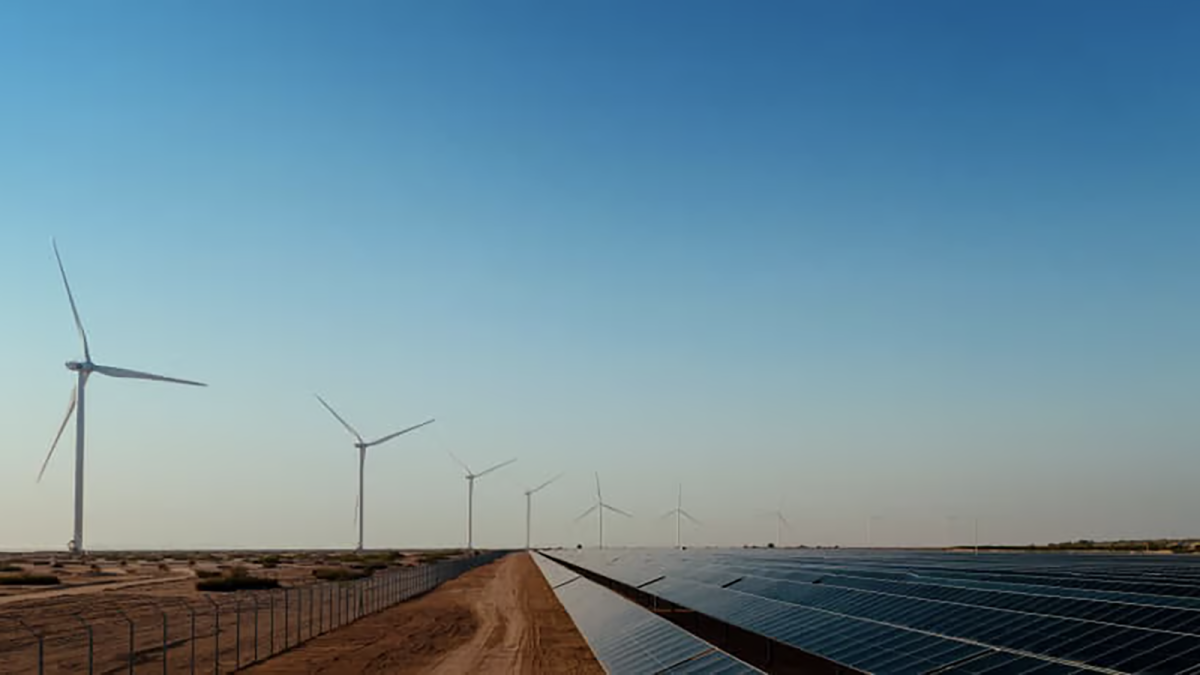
75, 407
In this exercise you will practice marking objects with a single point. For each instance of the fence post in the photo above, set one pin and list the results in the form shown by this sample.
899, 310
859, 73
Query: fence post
91, 643
287, 616
192, 637
310, 612
237, 650
164, 642
255, 598
131, 646
271, 626
41, 643
216, 634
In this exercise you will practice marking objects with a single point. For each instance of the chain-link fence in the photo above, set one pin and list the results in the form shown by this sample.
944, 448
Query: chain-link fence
216, 633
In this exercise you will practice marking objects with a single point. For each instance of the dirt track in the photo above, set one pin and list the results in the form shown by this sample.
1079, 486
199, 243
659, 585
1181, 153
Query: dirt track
500, 618
92, 588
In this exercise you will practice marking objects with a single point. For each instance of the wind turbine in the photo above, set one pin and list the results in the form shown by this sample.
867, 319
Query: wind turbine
780, 522
471, 476
360, 510
83, 369
599, 506
529, 507
679, 514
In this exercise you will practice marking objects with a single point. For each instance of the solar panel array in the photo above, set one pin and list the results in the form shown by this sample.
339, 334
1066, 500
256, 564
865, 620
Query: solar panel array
630, 640
914, 612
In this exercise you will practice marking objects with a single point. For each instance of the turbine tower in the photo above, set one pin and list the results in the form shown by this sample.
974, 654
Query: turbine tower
599, 507
83, 369
471, 476
360, 505
781, 522
529, 507
679, 514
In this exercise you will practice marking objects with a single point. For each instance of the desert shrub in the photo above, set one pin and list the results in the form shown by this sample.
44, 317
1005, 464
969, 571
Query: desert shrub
95, 569
340, 573
236, 578
431, 557
228, 584
208, 574
6, 568
164, 567
28, 579
269, 561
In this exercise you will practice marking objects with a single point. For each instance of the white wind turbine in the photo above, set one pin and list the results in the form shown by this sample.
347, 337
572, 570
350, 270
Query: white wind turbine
529, 507
599, 507
679, 514
359, 510
471, 476
83, 369
781, 522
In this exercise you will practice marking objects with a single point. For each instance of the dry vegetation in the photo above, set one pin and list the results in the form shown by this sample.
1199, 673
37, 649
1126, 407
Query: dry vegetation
155, 588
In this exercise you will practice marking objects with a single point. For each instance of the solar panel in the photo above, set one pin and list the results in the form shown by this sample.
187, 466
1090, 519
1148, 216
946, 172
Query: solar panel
628, 639
908, 611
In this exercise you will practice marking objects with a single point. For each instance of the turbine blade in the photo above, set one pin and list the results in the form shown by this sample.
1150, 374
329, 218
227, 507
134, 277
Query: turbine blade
61, 427
687, 515
598, 497
501, 465
460, 462
339, 418
139, 375
87, 354
587, 513
783, 519
545, 484
616, 510
668, 514
400, 433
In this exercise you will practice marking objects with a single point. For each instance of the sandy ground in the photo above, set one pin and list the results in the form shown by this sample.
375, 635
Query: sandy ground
38, 594
159, 599
501, 618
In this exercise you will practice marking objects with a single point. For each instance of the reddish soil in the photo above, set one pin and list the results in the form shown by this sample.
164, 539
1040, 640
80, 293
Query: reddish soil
158, 597
500, 618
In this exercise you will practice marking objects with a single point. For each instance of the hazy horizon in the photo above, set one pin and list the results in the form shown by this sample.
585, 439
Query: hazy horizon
911, 260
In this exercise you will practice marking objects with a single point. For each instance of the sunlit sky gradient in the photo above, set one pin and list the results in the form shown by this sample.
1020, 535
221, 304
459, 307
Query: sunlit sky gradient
917, 260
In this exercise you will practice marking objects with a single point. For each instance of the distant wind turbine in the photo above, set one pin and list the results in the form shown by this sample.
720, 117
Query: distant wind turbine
599, 507
781, 522
359, 510
471, 476
529, 507
679, 514
83, 369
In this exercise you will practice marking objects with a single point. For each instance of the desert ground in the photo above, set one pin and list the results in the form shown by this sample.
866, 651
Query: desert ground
500, 618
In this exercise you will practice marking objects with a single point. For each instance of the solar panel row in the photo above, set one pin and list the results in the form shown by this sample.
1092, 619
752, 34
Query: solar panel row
628, 639
925, 612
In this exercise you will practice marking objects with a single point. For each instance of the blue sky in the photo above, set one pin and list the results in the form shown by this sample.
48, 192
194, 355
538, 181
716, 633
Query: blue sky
908, 259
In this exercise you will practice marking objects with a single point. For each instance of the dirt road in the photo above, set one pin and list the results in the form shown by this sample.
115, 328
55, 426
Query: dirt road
90, 588
500, 618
